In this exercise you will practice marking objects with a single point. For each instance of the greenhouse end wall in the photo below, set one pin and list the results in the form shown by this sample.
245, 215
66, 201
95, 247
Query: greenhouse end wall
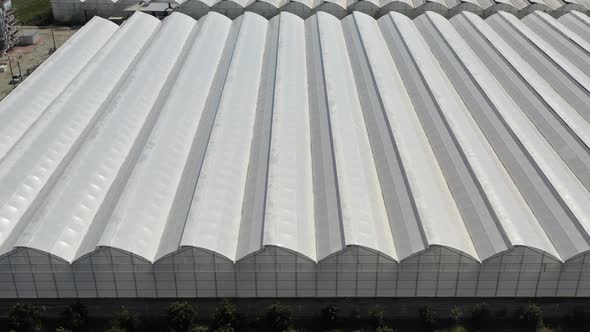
274, 272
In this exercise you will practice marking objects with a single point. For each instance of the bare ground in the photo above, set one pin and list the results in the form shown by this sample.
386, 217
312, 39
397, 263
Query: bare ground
32, 56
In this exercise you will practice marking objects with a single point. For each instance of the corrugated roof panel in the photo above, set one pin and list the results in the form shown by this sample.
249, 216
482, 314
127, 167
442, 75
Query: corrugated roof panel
511, 210
251, 235
309, 3
365, 48
522, 30
578, 23
563, 232
152, 186
84, 197
479, 155
393, 135
541, 110
329, 233
77, 11
214, 217
204, 103
364, 218
29, 171
566, 79
289, 211
39, 90
425, 179
552, 97
569, 44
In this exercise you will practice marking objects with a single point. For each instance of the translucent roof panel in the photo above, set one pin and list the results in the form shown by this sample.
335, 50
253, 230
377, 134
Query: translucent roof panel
233, 138
73, 11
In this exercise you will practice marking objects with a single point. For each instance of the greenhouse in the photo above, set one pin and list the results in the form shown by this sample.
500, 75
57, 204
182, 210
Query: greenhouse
79, 11
430, 157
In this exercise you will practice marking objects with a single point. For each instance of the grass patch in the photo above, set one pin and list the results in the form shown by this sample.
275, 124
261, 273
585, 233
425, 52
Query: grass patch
33, 12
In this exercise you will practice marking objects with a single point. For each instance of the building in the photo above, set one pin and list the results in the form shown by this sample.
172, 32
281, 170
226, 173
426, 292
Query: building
301, 158
80, 11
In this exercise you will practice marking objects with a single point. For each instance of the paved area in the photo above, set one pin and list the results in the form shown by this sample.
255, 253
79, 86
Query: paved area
30, 57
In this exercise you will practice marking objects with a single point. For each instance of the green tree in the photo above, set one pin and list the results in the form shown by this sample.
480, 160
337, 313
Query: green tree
481, 316
576, 319
376, 316
225, 316
181, 316
62, 329
456, 316
25, 317
199, 328
328, 316
125, 321
279, 316
385, 329
531, 317
427, 318
116, 329
225, 329
74, 318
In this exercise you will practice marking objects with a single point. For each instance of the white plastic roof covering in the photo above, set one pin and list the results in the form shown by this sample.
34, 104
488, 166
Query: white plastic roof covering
229, 136
378, 8
79, 10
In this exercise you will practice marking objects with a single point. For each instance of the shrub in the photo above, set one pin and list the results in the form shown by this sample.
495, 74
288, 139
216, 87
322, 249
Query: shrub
329, 316
427, 319
62, 329
531, 317
576, 319
225, 316
456, 316
225, 329
279, 317
384, 329
116, 329
480, 316
25, 317
181, 316
74, 317
199, 328
454, 329
376, 316
126, 321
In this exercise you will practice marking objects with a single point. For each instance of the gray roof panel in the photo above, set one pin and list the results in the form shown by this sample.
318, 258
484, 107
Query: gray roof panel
394, 135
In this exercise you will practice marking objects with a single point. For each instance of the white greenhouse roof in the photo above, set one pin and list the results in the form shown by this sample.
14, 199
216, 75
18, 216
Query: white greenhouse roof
317, 135
378, 8
79, 10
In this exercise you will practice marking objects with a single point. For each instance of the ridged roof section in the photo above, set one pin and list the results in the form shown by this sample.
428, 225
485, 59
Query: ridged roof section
395, 135
378, 8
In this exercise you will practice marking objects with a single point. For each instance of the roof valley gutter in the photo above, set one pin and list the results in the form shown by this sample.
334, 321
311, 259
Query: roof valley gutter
100, 221
447, 148
203, 135
558, 104
84, 175
251, 237
379, 134
54, 178
103, 113
326, 192
495, 122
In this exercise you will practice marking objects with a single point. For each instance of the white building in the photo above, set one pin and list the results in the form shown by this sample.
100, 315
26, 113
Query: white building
292, 158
